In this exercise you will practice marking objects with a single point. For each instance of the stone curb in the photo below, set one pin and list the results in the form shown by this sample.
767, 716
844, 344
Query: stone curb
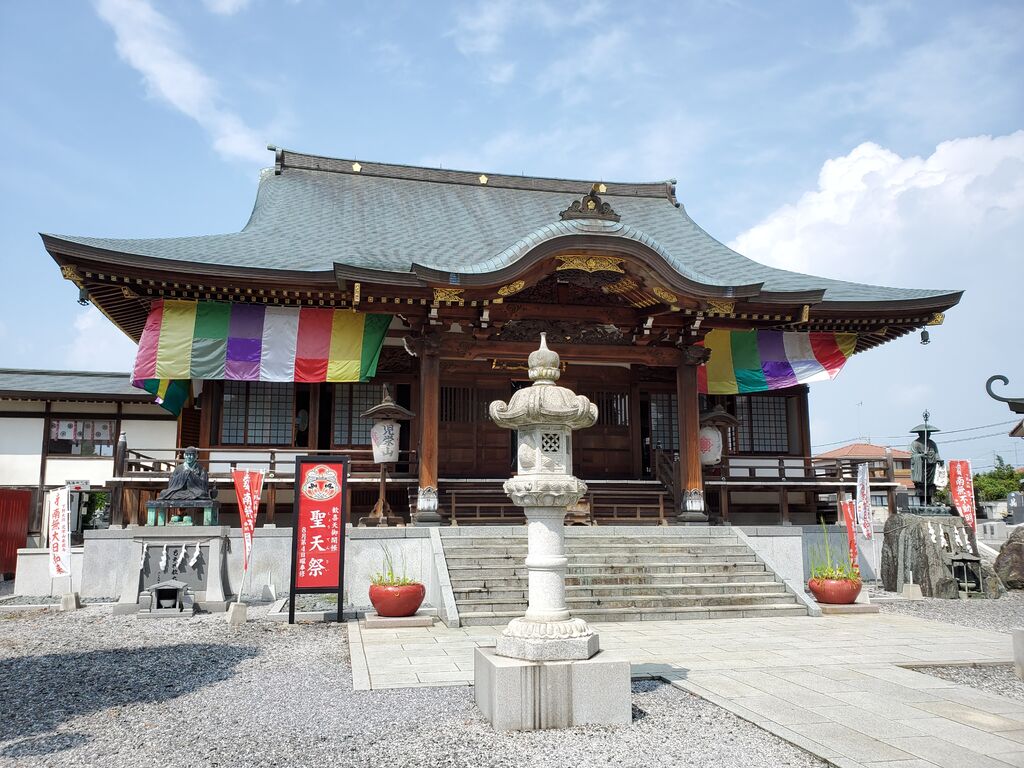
360, 669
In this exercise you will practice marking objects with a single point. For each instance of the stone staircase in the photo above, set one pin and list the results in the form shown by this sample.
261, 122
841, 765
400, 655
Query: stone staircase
680, 573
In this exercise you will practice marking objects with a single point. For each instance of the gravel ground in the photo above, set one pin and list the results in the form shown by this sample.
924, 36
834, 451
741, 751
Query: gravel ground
996, 678
88, 688
1000, 615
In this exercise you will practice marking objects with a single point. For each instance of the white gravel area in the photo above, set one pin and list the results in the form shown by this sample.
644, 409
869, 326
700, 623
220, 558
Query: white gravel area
1000, 615
992, 678
88, 688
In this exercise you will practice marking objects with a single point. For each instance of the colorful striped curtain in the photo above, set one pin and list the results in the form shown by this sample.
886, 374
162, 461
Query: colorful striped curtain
756, 361
188, 340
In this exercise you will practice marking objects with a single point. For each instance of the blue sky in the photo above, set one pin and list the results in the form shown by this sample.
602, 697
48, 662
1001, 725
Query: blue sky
881, 142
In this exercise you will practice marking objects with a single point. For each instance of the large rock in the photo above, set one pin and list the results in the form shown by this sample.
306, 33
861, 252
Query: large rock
908, 546
1010, 563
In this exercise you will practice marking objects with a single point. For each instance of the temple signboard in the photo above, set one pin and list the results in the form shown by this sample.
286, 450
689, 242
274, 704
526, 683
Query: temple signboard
318, 532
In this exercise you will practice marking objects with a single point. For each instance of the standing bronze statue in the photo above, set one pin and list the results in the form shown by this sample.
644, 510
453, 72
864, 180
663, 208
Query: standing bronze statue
924, 458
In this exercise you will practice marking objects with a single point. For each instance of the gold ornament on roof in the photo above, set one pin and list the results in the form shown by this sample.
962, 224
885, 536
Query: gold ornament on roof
937, 318
721, 306
625, 285
667, 296
448, 294
483, 179
591, 264
68, 272
128, 293
508, 290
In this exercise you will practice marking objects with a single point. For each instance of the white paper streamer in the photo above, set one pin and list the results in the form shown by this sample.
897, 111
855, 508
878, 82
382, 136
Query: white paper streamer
181, 556
163, 559
145, 549
195, 557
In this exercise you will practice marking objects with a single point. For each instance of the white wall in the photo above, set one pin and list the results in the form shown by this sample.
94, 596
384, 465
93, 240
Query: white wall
75, 407
153, 438
21, 443
96, 469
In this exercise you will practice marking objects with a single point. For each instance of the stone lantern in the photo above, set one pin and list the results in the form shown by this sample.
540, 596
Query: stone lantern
546, 670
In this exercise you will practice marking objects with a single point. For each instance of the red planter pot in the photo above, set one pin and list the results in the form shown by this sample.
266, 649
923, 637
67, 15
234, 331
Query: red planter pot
834, 591
397, 601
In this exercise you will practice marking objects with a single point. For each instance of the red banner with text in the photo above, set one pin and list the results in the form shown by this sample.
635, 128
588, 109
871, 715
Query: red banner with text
248, 488
850, 515
961, 489
319, 526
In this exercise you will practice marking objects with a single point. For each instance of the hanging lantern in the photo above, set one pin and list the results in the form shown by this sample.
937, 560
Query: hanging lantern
709, 440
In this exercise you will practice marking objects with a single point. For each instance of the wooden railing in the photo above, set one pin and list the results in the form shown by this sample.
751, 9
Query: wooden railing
276, 462
614, 504
666, 472
796, 469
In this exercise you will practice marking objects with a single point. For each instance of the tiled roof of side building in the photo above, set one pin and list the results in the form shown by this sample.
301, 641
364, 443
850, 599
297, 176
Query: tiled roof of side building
862, 451
313, 212
79, 385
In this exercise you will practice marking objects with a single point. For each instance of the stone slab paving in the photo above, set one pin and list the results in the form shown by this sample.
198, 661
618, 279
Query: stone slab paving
836, 686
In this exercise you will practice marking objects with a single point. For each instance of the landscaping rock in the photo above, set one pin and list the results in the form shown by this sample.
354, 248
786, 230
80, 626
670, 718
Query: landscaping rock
1010, 562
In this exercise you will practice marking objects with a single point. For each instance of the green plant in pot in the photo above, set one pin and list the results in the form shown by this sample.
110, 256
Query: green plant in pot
833, 580
393, 593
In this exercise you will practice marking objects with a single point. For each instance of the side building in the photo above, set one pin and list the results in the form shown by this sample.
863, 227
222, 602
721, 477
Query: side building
58, 427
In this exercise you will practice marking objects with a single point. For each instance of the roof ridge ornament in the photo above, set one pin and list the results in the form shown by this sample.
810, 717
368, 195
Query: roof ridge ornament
591, 206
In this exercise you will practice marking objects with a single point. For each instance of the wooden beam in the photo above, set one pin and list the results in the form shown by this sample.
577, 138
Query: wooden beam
464, 347
429, 416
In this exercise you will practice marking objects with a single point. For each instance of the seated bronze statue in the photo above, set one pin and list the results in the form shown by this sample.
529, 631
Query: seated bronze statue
189, 481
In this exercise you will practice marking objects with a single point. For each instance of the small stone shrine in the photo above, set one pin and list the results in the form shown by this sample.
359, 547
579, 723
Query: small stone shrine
167, 599
938, 554
547, 670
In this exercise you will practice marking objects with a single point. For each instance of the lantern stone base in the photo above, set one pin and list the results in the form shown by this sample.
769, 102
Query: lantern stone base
520, 695
567, 649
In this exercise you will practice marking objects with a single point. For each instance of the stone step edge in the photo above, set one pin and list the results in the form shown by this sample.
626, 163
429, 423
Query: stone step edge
571, 587
627, 598
613, 611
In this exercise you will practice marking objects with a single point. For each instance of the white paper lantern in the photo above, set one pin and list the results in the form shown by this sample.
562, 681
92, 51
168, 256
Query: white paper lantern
384, 438
709, 440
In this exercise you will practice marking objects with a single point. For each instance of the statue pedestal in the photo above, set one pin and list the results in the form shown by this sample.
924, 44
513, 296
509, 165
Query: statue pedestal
520, 695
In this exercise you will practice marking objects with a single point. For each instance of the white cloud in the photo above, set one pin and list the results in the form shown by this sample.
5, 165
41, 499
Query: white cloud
871, 26
226, 7
150, 43
481, 30
97, 345
953, 220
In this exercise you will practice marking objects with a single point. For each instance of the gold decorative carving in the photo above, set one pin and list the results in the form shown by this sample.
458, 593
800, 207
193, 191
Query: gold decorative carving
937, 318
68, 272
591, 264
667, 296
483, 178
721, 306
357, 167
128, 292
448, 294
805, 313
508, 290
625, 285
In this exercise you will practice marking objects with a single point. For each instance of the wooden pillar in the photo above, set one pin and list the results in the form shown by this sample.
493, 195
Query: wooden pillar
784, 505
117, 487
691, 481
429, 416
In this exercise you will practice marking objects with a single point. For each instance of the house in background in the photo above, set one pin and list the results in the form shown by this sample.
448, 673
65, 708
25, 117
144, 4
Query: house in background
891, 463
61, 426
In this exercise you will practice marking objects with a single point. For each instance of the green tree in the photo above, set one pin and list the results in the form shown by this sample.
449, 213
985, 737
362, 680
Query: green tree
997, 483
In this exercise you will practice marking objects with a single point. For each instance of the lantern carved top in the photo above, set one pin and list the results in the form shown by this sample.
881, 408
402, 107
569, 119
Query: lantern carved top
544, 403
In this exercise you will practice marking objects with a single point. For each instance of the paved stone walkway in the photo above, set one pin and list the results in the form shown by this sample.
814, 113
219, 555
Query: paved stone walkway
835, 686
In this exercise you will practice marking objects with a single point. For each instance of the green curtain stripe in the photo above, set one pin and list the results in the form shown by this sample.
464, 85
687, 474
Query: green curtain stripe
374, 329
746, 360
212, 320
